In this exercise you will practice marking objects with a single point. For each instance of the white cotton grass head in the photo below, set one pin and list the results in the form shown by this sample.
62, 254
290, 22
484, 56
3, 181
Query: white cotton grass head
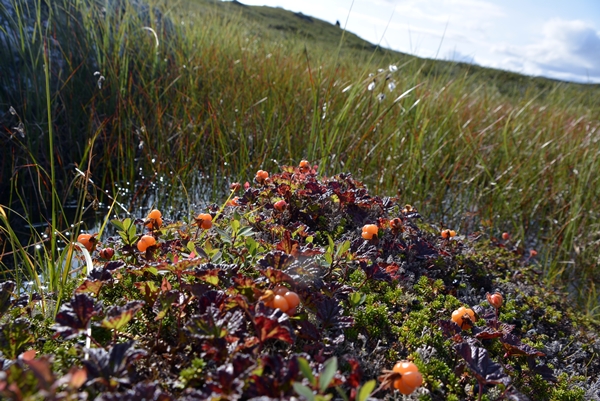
393, 68
391, 86
371, 86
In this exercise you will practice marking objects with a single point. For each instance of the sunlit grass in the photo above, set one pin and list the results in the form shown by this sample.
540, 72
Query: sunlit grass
220, 97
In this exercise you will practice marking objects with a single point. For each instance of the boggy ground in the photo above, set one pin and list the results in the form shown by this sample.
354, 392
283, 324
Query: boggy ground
193, 316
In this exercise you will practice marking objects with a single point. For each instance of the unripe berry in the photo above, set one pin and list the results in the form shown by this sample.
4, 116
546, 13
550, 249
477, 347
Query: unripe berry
107, 253
280, 206
495, 299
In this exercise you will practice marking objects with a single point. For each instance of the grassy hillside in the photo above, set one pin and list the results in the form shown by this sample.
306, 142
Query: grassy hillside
232, 89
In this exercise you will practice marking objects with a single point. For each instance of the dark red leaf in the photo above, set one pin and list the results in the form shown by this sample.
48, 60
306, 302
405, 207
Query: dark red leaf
6, 290
75, 315
276, 276
330, 315
449, 328
104, 365
478, 360
513, 346
274, 325
118, 317
485, 333
276, 259
91, 286
355, 377
374, 272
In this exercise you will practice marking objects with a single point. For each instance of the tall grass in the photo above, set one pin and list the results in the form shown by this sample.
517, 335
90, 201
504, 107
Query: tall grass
221, 97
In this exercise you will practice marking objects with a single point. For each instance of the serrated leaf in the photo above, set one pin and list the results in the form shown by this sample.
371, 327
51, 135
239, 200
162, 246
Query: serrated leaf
307, 371
6, 290
304, 391
118, 317
366, 390
330, 314
75, 315
513, 346
90, 286
149, 290
478, 360
329, 370
14, 336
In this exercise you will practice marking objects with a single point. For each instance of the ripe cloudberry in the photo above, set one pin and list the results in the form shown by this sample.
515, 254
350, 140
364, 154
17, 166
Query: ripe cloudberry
88, 241
280, 302
280, 206
369, 230
464, 317
292, 299
304, 166
154, 220
204, 221
495, 299
505, 236
448, 234
410, 377
233, 201
146, 242
261, 176
280, 290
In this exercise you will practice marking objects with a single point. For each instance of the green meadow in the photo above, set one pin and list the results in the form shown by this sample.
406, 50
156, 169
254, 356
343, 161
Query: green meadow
176, 105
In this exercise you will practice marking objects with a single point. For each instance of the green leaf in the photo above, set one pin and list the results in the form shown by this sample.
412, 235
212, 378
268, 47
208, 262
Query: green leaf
252, 245
216, 257
328, 372
328, 258
356, 299
118, 224
246, 232
304, 391
307, 371
331, 244
344, 246
225, 237
191, 247
365, 391
131, 233
235, 225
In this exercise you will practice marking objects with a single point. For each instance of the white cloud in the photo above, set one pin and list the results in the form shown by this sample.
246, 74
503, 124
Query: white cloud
568, 50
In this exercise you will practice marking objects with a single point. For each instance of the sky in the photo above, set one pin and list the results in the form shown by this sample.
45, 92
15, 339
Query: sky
557, 39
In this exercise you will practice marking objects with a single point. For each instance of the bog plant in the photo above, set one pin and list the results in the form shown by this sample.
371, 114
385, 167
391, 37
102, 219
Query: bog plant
266, 304
139, 96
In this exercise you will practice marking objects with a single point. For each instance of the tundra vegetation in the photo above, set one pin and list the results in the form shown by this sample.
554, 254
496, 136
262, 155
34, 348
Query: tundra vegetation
305, 281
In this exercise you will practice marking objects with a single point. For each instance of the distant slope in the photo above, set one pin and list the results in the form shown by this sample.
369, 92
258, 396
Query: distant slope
321, 35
